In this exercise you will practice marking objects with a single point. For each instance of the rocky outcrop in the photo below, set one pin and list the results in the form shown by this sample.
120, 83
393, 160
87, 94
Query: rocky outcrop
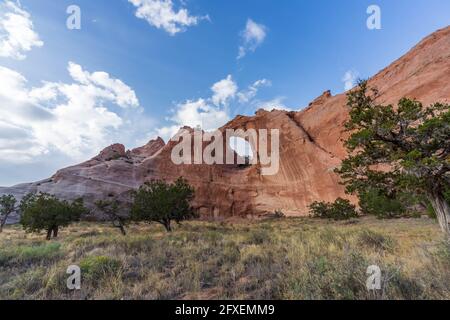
113, 152
321, 99
152, 147
310, 149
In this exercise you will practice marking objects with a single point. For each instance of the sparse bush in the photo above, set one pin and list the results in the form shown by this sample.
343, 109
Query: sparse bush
202, 260
111, 209
230, 253
97, 267
212, 236
375, 240
278, 214
341, 209
258, 237
26, 255
328, 276
28, 282
319, 209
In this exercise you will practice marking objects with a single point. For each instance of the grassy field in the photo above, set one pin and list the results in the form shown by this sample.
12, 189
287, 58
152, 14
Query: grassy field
299, 258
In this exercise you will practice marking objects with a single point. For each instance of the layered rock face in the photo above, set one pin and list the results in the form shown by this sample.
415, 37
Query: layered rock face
310, 149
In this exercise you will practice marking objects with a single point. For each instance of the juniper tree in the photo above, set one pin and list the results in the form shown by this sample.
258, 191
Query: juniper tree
398, 149
111, 209
45, 212
162, 202
7, 206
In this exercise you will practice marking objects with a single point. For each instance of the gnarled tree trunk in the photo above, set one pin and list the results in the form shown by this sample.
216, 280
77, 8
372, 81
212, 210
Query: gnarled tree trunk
166, 224
55, 231
2, 223
122, 230
442, 209
49, 233
52, 230
120, 225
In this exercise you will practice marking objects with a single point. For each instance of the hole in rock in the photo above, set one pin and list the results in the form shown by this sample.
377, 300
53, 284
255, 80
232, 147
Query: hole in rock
242, 148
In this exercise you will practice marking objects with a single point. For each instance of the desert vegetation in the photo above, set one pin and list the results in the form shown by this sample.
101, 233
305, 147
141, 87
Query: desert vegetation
111, 209
340, 209
290, 258
43, 211
398, 166
397, 150
7, 206
162, 202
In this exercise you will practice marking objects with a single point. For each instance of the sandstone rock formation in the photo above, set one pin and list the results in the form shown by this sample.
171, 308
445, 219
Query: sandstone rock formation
310, 148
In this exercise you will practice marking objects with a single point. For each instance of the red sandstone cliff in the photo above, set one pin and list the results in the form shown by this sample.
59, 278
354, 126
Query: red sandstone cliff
310, 148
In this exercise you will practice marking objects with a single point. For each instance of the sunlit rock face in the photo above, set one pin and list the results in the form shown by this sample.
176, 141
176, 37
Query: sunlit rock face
310, 149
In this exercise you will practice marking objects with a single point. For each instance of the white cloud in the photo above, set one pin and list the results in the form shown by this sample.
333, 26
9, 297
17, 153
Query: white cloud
122, 94
161, 14
192, 114
17, 35
210, 113
269, 105
349, 79
247, 95
71, 119
251, 37
224, 90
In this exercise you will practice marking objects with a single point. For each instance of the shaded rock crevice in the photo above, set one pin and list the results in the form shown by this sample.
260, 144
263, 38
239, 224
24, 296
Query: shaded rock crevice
310, 138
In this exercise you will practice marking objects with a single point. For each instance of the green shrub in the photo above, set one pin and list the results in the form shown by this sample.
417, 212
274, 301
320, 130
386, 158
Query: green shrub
30, 254
375, 202
24, 285
375, 240
341, 209
97, 267
258, 237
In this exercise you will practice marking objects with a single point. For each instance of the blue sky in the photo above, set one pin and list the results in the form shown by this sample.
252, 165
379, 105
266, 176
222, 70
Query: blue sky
303, 49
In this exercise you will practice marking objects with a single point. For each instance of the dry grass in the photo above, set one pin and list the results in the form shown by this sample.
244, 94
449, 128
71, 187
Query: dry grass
274, 259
